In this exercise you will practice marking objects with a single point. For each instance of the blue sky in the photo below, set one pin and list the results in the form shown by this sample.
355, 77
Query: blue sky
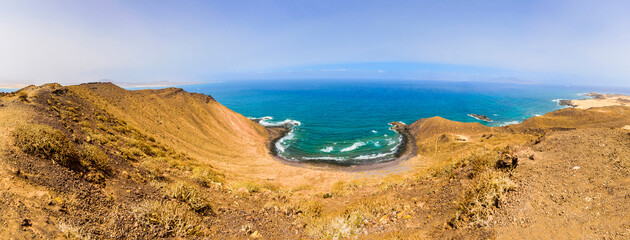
567, 42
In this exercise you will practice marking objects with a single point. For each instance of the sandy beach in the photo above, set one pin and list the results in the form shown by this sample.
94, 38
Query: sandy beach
600, 100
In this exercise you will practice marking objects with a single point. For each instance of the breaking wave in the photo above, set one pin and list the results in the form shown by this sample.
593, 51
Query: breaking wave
353, 146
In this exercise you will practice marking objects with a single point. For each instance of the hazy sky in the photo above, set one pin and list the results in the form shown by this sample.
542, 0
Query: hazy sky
575, 42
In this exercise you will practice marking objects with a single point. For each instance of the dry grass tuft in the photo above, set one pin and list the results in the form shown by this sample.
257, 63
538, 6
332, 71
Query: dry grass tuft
94, 156
46, 142
205, 176
489, 184
23, 96
192, 196
353, 219
486, 192
171, 219
337, 227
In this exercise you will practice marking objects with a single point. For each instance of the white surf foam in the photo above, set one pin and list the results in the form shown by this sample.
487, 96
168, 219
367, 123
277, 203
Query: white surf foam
353, 146
372, 156
326, 158
289, 122
390, 153
374, 131
509, 123
282, 143
327, 149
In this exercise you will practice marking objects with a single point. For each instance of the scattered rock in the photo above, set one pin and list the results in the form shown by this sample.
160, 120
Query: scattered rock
566, 103
507, 161
531, 157
576, 168
26, 223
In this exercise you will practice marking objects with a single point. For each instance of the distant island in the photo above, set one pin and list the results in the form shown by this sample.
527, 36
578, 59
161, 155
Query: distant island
480, 117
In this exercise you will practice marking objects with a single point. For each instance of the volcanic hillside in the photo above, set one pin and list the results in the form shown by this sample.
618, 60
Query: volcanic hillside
98, 161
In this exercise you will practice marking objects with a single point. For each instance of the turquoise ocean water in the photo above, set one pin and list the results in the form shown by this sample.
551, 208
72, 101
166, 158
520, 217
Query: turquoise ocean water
7, 90
346, 122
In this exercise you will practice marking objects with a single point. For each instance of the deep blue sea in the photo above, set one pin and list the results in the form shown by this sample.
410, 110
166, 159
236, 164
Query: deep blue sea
347, 121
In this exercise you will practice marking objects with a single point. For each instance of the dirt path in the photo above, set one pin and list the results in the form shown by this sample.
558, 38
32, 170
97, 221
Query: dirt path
577, 187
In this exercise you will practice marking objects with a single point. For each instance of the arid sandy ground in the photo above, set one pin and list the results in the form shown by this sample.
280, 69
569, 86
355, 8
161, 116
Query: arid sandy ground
601, 100
166, 163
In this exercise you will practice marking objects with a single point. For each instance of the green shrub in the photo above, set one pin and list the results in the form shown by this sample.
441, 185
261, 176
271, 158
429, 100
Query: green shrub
45, 141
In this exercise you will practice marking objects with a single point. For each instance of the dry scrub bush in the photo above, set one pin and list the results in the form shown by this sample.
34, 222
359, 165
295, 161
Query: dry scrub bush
343, 188
338, 227
171, 219
490, 182
205, 176
192, 196
94, 156
486, 192
23, 96
352, 220
46, 142
70, 231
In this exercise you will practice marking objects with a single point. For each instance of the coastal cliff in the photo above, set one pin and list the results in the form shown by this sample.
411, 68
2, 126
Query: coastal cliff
98, 161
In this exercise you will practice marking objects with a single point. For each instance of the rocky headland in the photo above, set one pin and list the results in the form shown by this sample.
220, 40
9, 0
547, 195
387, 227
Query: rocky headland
597, 100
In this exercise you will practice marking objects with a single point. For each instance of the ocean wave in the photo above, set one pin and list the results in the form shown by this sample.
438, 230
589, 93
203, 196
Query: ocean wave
325, 158
373, 156
282, 143
391, 152
509, 123
353, 146
374, 131
327, 149
377, 143
265, 121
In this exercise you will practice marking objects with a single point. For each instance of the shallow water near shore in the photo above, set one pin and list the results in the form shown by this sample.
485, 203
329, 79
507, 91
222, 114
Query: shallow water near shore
348, 121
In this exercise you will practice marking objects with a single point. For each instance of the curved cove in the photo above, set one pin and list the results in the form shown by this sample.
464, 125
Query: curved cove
324, 144
346, 121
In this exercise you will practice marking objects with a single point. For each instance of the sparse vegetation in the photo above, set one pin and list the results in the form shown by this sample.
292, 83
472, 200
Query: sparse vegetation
488, 186
192, 196
46, 142
205, 176
93, 156
171, 219
483, 195
23, 96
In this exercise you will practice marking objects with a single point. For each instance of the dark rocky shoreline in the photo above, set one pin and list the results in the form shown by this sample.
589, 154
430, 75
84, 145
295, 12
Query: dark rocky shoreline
406, 149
